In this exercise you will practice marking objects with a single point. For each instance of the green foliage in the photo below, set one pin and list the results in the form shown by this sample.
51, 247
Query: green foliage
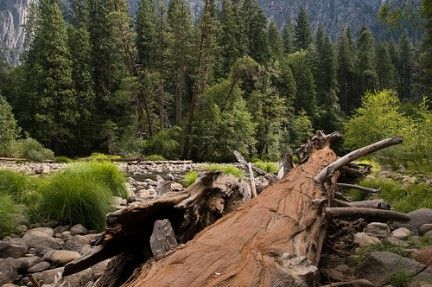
9, 214
62, 159
190, 178
228, 169
303, 31
102, 157
386, 72
33, 150
267, 166
8, 128
401, 278
300, 129
366, 62
155, 157
166, 142
15, 184
363, 252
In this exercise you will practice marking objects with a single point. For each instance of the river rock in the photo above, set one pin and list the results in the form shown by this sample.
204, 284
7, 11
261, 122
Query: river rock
39, 267
12, 247
78, 229
76, 243
62, 257
40, 240
380, 266
175, 186
423, 256
396, 241
425, 228
423, 279
401, 233
428, 235
48, 276
419, 217
377, 229
46, 230
28, 262
8, 270
363, 239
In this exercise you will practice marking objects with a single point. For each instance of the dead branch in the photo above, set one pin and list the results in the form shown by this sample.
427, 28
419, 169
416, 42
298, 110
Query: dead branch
358, 187
366, 213
327, 172
354, 283
376, 204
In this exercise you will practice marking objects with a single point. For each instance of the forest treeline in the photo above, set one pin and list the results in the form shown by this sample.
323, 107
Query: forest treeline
164, 84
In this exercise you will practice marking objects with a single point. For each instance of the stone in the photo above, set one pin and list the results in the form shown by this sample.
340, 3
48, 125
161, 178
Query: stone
423, 256
22, 229
379, 267
377, 229
14, 248
163, 238
419, 217
396, 241
78, 229
428, 235
363, 239
425, 228
401, 233
40, 240
10, 285
170, 177
175, 186
48, 276
61, 229
62, 257
8, 270
28, 262
423, 279
39, 267
76, 243
77, 279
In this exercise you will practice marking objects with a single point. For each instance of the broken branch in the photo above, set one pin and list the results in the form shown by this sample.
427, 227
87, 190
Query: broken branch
367, 213
358, 187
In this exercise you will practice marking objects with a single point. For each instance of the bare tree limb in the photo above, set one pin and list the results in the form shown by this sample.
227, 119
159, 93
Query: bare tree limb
376, 204
328, 172
357, 283
358, 187
367, 213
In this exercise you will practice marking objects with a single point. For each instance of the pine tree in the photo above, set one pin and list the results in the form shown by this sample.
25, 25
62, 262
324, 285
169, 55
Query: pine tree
50, 101
145, 29
406, 69
288, 37
275, 41
386, 71
302, 31
326, 80
180, 27
367, 76
346, 72
426, 55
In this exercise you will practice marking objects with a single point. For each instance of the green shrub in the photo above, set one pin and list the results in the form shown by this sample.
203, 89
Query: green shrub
8, 128
62, 159
166, 142
228, 169
190, 178
102, 156
33, 150
155, 157
267, 166
14, 183
9, 213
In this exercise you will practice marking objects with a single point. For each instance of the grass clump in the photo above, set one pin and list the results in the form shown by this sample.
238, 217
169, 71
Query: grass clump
363, 252
102, 157
400, 278
62, 159
155, 157
267, 166
190, 178
14, 183
10, 212
228, 169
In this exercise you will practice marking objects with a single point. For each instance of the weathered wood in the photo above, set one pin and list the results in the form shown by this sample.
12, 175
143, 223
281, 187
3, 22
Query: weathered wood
358, 187
354, 283
286, 166
366, 213
327, 172
375, 203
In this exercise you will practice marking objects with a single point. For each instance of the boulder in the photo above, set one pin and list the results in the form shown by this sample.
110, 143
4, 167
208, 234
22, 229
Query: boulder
425, 228
378, 229
40, 240
13, 247
28, 262
46, 230
62, 257
363, 239
48, 276
175, 186
401, 233
76, 243
78, 229
41, 266
419, 217
423, 256
380, 266
8, 270
423, 279
396, 241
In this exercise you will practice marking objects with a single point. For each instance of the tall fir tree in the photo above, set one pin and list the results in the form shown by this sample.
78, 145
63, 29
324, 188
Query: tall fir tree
326, 79
288, 37
386, 71
367, 76
50, 102
180, 25
275, 41
406, 69
346, 73
145, 33
302, 31
426, 51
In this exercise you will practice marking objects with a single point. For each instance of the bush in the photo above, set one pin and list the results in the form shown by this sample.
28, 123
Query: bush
62, 159
10, 212
155, 157
8, 128
190, 178
228, 169
267, 166
166, 142
102, 156
33, 150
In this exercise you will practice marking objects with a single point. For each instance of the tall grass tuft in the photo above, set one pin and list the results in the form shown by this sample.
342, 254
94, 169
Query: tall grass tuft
14, 183
190, 178
10, 212
267, 166
228, 169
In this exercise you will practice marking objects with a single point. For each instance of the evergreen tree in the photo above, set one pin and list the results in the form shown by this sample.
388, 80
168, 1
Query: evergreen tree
346, 72
406, 69
367, 75
275, 41
288, 37
386, 71
180, 27
50, 102
326, 80
302, 31
8, 128
146, 33
426, 56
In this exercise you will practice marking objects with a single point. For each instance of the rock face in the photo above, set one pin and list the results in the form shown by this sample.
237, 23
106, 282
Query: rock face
334, 15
